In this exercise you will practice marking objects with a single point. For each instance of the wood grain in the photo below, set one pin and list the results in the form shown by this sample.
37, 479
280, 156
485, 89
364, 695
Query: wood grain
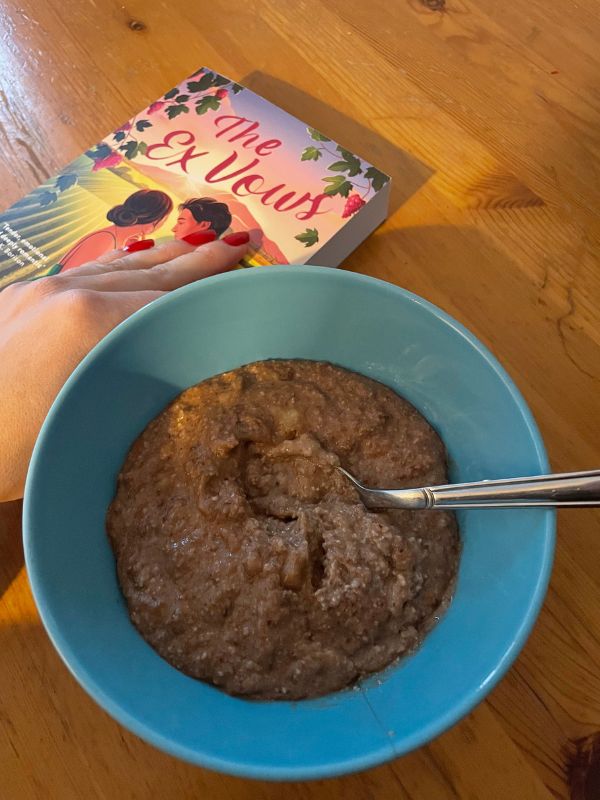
487, 115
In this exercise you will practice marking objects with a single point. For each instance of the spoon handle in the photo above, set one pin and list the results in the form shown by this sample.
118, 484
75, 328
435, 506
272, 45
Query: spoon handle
568, 489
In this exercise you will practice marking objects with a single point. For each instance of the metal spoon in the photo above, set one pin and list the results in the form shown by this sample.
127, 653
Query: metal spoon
565, 489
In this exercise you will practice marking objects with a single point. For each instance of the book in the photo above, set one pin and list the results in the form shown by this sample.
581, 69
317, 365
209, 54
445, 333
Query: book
209, 153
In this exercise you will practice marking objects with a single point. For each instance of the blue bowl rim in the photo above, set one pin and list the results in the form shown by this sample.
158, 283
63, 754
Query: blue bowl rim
251, 770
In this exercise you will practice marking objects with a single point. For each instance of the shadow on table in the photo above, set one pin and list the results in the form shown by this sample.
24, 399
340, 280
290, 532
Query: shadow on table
456, 267
408, 173
11, 543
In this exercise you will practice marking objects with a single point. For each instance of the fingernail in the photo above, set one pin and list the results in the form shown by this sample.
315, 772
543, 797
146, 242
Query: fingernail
141, 244
236, 239
202, 237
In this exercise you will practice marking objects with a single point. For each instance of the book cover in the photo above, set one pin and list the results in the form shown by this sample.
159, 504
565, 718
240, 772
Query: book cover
208, 154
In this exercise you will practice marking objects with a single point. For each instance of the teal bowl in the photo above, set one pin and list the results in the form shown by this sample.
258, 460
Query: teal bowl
221, 323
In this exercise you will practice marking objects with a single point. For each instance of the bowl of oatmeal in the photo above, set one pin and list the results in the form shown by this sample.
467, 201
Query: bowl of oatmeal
210, 578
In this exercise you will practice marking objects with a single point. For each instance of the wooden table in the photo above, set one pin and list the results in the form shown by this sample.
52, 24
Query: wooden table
487, 115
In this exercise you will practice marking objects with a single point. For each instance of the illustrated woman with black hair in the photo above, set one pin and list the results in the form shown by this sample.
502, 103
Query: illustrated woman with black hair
137, 217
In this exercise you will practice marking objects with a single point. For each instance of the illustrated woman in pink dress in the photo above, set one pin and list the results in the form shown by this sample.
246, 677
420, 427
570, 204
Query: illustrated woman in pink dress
139, 216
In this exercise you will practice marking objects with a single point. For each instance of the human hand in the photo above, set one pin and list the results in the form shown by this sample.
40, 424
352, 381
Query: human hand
47, 326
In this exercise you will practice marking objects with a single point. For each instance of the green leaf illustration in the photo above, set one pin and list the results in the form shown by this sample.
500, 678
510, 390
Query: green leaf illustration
182, 98
351, 167
46, 198
142, 146
100, 151
378, 179
204, 83
236, 88
350, 164
175, 111
355, 168
318, 137
130, 149
171, 93
64, 182
210, 101
142, 124
337, 185
219, 80
311, 154
309, 237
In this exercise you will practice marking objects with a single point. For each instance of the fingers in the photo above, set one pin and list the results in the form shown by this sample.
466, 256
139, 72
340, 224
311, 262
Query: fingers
146, 271
117, 306
120, 259
112, 255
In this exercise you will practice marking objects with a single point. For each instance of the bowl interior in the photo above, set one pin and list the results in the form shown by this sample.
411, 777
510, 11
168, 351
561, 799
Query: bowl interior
219, 324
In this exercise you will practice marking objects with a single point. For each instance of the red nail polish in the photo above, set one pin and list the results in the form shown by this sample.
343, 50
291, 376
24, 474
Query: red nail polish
236, 239
141, 244
202, 237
